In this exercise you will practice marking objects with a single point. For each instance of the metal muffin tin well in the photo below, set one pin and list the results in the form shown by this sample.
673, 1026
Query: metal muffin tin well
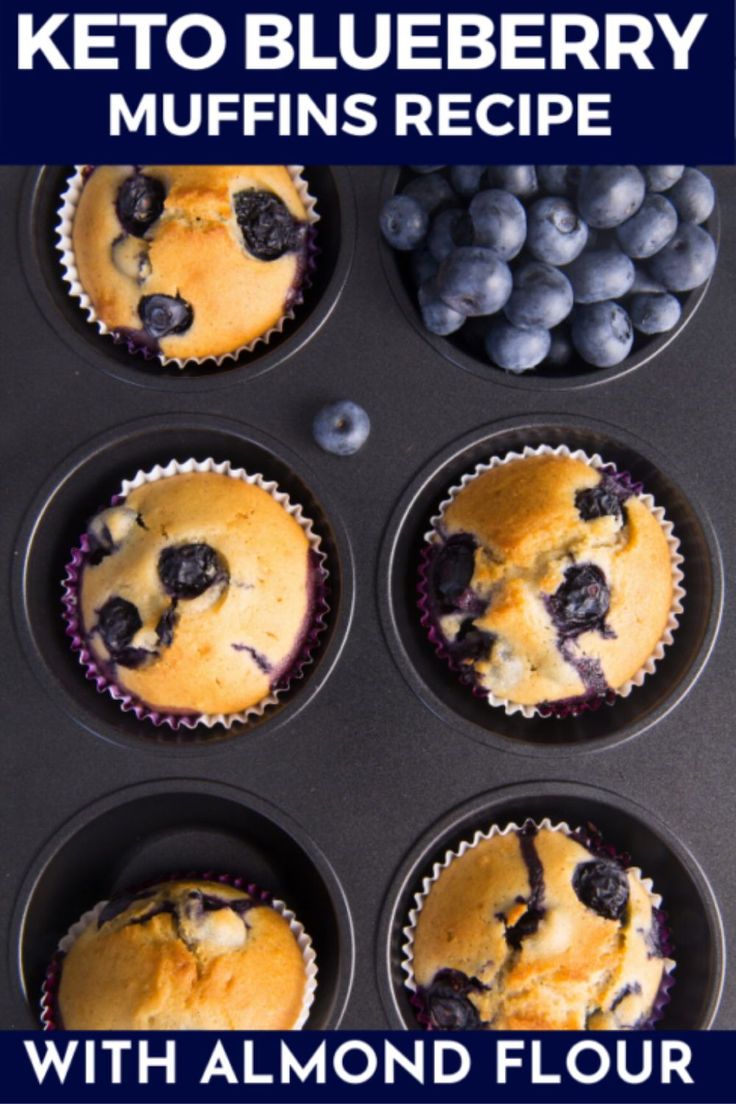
340, 798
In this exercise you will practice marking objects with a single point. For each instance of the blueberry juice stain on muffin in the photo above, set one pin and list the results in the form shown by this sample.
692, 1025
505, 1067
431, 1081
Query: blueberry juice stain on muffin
539, 928
197, 593
549, 582
187, 954
190, 261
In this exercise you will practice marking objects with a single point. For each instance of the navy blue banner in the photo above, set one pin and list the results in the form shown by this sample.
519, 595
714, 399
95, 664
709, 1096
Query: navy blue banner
648, 81
367, 1066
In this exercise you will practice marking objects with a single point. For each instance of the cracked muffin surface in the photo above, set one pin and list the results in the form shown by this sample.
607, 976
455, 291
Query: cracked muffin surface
550, 580
190, 260
197, 592
183, 955
531, 930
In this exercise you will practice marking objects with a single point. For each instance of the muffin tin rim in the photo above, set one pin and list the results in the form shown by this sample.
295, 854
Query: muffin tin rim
96, 351
118, 798
530, 381
75, 706
395, 531
469, 815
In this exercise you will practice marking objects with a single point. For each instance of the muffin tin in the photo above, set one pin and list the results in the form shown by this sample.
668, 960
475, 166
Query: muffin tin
341, 797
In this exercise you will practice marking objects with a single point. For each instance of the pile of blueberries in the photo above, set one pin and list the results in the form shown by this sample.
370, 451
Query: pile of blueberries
538, 263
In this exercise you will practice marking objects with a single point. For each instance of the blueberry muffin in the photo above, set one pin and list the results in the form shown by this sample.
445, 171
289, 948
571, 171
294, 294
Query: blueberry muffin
196, 593
549, 582
190, 261
531, 929
183, 955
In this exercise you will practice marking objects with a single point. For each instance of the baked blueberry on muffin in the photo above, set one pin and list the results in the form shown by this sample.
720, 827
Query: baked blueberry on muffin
196, 592
190, 261
549, 581
539, 928
183, 955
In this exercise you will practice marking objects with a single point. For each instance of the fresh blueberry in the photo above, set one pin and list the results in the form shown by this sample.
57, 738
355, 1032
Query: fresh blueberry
474, 281
139, 203
560, 349
646, 232
403, 222
606, 499
447, 1003
602, 886
432, 192
600, 274
499, 222
449, 229
268, 227
341, 427
515, 349
520, 180
654, 314
426, 168
610, 194
644, 284
559, 180
602, 334
694, 196
163, 314
542, 296
437, 317
452, 569
423, 265
556, 233
117, 623
661, 177
687, 261
581, 602
466, 179
188, 570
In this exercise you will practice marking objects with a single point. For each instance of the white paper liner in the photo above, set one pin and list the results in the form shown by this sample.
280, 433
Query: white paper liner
65, 215
407, 962
434, 536
128, 702
50, 985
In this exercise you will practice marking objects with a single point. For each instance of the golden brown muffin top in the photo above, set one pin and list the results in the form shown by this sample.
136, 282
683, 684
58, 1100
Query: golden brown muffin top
184, 955
529, 930
197, 592
195, 252
567, 585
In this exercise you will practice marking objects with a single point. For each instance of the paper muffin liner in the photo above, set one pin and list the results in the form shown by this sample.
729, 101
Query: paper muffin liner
50, 1015
293, 668
572, 707
65, 247
588, 837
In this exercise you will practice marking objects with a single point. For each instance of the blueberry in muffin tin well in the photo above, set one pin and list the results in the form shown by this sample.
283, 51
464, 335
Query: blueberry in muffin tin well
613, 235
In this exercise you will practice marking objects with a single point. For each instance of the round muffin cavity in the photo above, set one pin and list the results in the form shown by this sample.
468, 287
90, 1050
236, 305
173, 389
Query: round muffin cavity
190, 261
197, 593
182, 955
538, 928
549, 582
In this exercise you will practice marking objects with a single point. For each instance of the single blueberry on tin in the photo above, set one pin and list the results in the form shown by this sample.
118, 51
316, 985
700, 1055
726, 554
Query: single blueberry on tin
341, 427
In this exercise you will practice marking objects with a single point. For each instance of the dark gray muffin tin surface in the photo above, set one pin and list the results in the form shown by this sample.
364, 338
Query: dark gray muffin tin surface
340, 799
